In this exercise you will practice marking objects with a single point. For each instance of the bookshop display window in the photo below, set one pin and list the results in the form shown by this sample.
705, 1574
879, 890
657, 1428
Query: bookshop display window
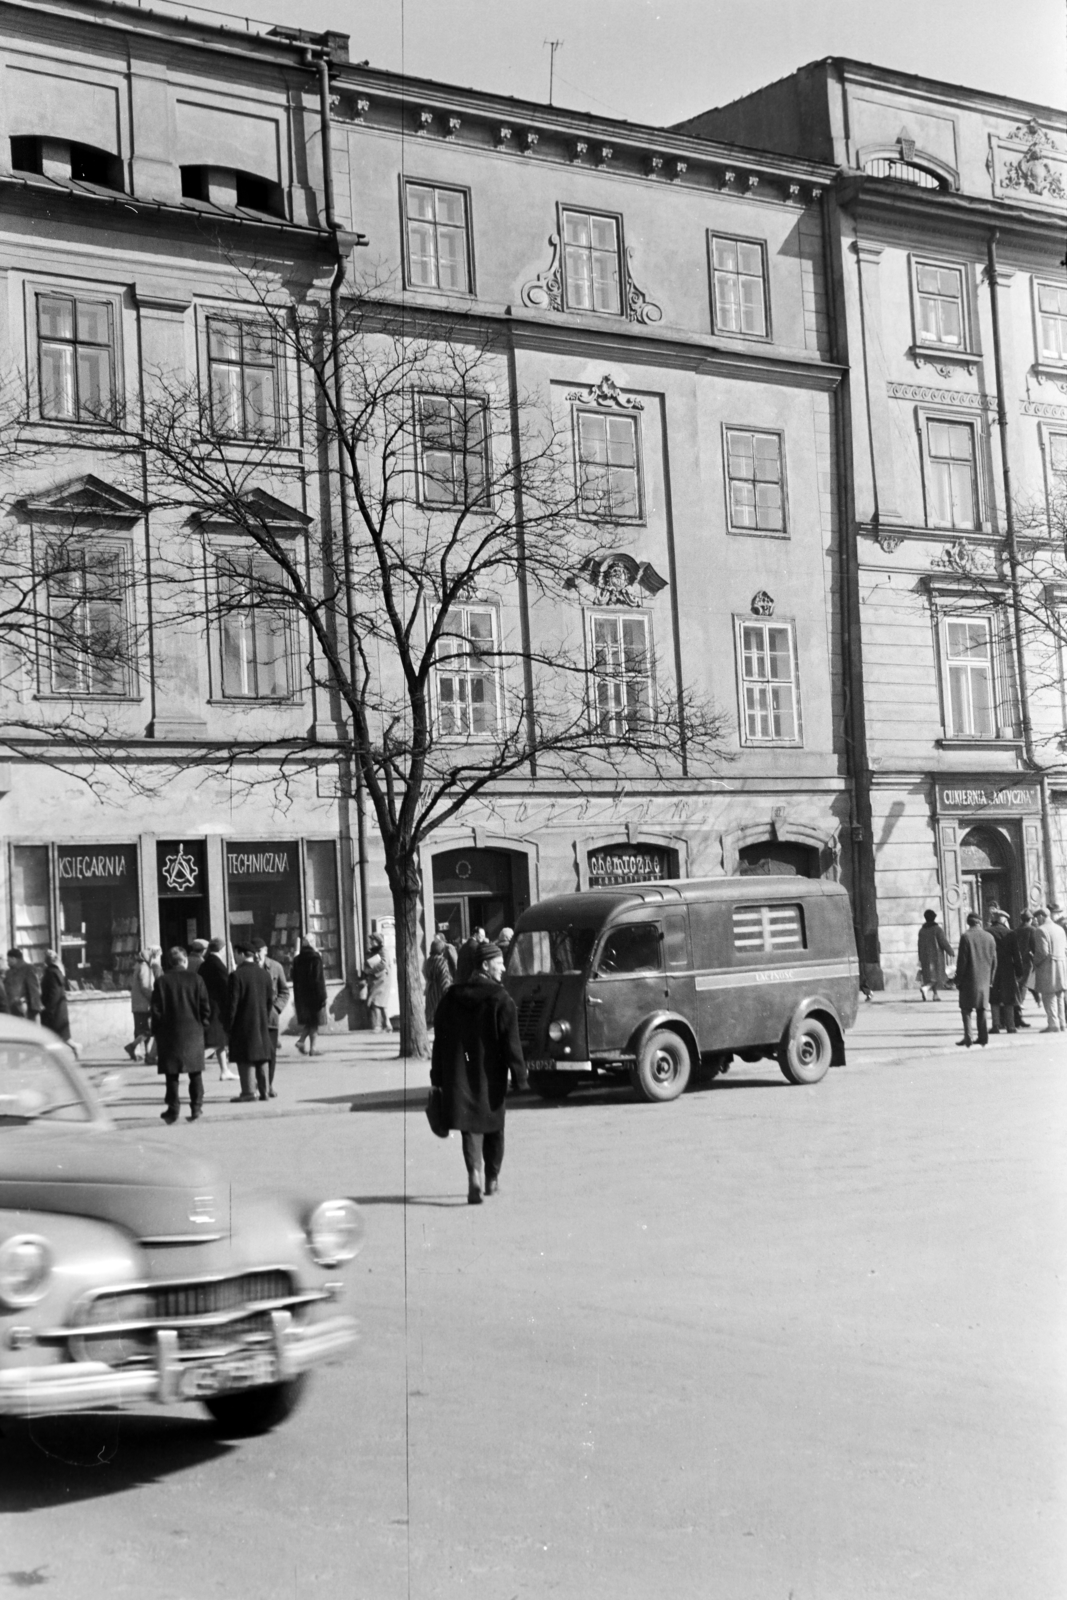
323, 922
99, 914
31, 901
263, 895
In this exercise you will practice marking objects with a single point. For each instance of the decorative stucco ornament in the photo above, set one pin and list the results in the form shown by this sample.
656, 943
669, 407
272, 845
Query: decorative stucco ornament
762, 604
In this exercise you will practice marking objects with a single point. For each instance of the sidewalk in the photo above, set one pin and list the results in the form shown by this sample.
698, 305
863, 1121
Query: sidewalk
359, 1071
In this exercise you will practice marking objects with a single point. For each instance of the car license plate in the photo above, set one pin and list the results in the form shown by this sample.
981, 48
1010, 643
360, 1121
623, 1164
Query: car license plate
541, 1064
230, 1372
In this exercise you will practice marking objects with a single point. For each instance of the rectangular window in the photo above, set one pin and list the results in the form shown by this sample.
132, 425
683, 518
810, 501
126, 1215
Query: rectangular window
1052, 320
255, 616
1056, 464
467, 673
953, 480
243, 378
739, 286
609, 479
758, 930
755, 478
99, 914
438, 243
87, 630
939, 306
591, 270
323, 921
263, 895
76, 358
453, 451
622, 672
971, 690
769, 682
31, 901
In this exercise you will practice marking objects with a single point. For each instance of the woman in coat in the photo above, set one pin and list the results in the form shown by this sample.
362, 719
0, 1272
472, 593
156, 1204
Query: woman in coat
54, 986
934, 946
376, 977
437, 971
309, 994
252, 996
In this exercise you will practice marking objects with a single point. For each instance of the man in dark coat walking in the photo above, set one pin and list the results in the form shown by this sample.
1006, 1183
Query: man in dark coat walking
180, 1011
476, 1045
54, 985
251, 1007
976, 964
279, 1001
1002, 990
1022, 941
216, 976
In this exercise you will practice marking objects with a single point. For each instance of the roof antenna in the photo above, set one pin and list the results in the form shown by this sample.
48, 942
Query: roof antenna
553, 45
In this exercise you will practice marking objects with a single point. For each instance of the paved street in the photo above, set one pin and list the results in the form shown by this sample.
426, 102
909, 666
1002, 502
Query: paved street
767, 1343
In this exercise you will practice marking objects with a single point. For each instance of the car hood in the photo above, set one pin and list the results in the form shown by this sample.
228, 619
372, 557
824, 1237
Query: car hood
150, 1191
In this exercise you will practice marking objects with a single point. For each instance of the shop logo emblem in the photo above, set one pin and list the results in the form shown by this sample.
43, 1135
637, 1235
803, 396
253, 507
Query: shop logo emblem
180, 872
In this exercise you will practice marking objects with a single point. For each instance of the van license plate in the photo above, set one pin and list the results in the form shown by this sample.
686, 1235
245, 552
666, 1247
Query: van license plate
541, 1064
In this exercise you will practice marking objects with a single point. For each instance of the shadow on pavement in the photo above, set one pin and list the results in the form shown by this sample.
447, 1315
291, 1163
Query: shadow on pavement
448, 1204
49, 1461
599, 1095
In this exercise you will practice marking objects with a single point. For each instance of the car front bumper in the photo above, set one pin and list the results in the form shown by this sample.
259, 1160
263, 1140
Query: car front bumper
86, 1385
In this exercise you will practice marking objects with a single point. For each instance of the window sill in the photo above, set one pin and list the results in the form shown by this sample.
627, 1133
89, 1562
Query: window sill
240, 702
1051, 372
943, 358
48, 696
746, 338
439, 293
759, 533
993, 743
71, 425
772, 744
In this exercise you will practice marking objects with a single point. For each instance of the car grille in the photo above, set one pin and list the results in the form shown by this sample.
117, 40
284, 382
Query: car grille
532, 1008
206, 1299
205, 1314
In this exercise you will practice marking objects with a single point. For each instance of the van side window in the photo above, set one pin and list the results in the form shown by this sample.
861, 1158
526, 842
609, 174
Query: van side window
760, 929
633, 948
675, 942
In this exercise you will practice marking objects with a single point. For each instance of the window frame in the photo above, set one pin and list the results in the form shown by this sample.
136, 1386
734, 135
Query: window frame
38, 288
1050, 431
778, 433
495, 674
921, 342
952, 419
46, 674
593, 614
613, 414
1042, 359
562, 210
406, 180
758, 741
481, 403
767, 337
243, 316
222, 559
945, 615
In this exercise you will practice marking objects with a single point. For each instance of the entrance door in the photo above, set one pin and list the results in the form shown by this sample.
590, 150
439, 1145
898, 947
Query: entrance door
987, 872
181, 887
479, 889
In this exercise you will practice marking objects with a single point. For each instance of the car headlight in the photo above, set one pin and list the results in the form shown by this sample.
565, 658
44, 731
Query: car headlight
558, 1031
25, 1268
335, 1232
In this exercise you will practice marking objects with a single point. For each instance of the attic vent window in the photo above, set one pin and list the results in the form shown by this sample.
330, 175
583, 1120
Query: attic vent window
903, 172
232, 190
64, 160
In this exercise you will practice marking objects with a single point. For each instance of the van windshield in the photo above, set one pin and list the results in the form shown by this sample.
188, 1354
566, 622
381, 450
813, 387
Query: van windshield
547, 950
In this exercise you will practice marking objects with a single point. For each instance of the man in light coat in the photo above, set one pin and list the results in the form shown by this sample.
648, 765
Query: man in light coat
976, 964
1050, 970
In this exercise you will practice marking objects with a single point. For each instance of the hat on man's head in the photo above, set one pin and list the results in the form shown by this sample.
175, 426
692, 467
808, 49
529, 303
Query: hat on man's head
487, 952
198, 944
929, 916
973, 919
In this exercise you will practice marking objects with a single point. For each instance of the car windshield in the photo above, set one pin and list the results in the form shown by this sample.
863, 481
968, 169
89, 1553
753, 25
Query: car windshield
35, 1085
550, 950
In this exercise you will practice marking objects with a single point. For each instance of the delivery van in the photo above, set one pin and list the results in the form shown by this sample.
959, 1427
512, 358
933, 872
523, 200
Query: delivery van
652, 981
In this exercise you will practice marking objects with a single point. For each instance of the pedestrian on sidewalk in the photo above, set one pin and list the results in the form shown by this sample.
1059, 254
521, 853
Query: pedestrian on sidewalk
1022, 939
476, 1045
468, 959
197, 952
1003, 990
976, 964
376, 977
934, 946
216, 975
180, 1012
21, 987
437, 972
309, 994
1050, 970
279, 1001
142, 981
251, 1002
54, 985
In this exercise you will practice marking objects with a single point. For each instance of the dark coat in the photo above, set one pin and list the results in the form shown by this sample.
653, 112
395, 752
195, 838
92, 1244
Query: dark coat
934, 946
976, 964
54, 1012
217, 983
22, 990
1002, 989
476, 1045
1022, 939
309, 988
279, 991
180, 1013
251, 1013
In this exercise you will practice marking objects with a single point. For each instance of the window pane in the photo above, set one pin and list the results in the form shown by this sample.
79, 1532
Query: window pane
962, 496
258, 344
450, 207
224, 341
951, 328
593, 436
421, 256
768, 506
272, 654
575, 228
579, 280
94, 322
742, 504
753, 319
238, 654
724, 255
927, 279
767, 457
621, 441
420, 201
94, 384
226, 408
727, 304
605, 283
57, 380
928, 319
452, 259
55, 317
260, 417
603, 232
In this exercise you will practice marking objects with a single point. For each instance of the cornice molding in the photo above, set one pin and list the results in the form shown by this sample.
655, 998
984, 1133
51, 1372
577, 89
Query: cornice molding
962, 399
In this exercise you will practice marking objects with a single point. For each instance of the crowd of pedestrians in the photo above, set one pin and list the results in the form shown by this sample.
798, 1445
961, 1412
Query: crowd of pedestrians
996, 967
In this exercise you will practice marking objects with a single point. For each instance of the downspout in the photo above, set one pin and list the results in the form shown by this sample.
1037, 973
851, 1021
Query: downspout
1013, 567
322, 66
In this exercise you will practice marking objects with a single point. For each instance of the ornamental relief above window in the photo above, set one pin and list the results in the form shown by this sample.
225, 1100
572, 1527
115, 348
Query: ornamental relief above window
617, 579
591, 270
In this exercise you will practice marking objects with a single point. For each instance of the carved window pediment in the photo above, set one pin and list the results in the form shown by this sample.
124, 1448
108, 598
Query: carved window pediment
262, 508
84, 497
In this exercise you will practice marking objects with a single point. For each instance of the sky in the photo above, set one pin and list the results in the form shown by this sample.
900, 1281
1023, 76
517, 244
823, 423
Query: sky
657, 61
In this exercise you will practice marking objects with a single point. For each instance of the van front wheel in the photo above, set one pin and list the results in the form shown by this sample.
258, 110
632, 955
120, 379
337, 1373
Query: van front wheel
805, 1056
663, 1067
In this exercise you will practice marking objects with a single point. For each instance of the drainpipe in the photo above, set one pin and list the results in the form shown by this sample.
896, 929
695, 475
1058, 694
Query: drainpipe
321, 65
1013, 565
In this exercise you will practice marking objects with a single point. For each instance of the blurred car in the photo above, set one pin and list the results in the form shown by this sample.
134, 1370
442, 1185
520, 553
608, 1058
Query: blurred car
130, 1272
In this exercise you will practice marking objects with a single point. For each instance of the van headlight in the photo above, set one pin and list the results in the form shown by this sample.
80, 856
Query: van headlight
335, 1232
558, 1031
25, 1268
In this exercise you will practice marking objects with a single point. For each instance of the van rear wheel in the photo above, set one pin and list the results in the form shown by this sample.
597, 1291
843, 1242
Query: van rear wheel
662, 1070
553, 1085
805, 1057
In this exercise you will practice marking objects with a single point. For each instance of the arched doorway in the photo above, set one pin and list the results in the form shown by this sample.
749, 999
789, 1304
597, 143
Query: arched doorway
479, 889
775, 859
987, 870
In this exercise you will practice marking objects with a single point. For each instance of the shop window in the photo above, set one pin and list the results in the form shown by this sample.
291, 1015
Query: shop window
756, 481
939, 306
591, 270
31, 901
609, 475
75, 358
622, 675
1052, 322
87, 634
323, 921
255, 618
467, 673
762, 929
437, 238
263, 895
970, 684
243, 378
99, 914
610, 865
453, 451
769, 690
951, 475
739, 286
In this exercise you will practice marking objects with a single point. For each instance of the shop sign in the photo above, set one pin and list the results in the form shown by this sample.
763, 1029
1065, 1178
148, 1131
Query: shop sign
261, 863
181, 869
97, 866
967, 796
639, 863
